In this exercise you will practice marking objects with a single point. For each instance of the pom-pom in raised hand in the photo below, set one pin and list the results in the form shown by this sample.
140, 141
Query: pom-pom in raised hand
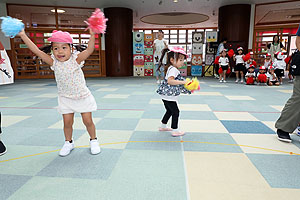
97, 22
217, 60
246, 57
192, 85
11, 26
230, 53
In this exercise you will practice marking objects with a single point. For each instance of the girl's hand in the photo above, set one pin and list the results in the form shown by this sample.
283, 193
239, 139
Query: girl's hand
22, 32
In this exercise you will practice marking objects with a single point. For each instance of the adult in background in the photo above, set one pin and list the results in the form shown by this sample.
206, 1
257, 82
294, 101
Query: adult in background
290, 115
221, 47
159, 45
275, 46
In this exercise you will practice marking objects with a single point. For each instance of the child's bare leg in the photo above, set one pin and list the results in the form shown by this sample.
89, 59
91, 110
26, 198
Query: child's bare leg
224, 74
90, 126
68, 125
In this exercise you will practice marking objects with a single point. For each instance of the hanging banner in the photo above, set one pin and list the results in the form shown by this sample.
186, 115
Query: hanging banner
6, 71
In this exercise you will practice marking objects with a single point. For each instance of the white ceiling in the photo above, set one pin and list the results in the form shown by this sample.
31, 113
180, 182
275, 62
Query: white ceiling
146, 7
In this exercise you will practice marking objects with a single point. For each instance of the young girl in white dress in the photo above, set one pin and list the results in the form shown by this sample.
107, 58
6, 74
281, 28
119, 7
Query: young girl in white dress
73, 94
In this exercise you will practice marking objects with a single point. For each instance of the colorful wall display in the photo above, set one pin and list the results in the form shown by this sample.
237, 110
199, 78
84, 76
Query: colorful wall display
148, 57
6, 71
138, 43
197, 53
138, 54
211, 36
183, 69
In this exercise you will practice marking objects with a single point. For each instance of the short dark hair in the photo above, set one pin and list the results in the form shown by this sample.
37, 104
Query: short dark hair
224, 39
161, 31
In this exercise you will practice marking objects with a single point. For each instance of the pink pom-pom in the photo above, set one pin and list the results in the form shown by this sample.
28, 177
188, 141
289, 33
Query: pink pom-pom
97, 22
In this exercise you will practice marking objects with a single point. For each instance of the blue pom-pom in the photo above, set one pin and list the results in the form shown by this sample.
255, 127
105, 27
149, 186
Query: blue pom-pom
11, 26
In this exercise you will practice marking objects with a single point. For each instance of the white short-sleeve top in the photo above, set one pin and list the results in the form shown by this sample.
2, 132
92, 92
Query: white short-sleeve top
70, 78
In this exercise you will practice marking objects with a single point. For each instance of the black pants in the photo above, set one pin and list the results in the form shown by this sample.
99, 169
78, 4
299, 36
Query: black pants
172, 110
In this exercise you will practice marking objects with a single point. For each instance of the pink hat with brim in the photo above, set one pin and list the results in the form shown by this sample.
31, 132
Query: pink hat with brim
60, 37
179, 50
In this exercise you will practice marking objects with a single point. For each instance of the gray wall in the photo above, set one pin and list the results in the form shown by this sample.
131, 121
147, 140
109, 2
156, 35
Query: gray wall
4, 40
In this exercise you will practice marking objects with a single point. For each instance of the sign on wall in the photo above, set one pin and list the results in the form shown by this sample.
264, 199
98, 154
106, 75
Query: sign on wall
6, 71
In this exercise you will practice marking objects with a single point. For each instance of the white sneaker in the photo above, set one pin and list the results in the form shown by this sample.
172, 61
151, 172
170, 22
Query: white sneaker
242, 81
291, 81
66, 149
237, 80
158, 82
221, 81
95, 148
224, 81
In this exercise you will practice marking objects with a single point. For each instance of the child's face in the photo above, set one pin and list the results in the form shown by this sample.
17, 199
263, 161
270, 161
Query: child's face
261, 71
223, 54
240, 52
179, 62
271, 71
251, 70
61, 51
268, 58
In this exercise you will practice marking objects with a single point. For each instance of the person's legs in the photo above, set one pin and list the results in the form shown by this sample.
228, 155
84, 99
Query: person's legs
68, 125
237, 76
156, 73
290, 115
224, 75
2, 146
168, 113
242, 76
162, 72
89, 124
68, 130
90, 127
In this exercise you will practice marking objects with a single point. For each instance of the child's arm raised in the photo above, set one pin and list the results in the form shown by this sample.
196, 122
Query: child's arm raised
45, 57
89, 50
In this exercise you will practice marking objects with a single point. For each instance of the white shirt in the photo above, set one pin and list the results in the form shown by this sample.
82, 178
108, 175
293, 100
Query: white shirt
172, 71
70, 78
249, 74
223, 61
272, 78
279, 64
239, 59
159, 46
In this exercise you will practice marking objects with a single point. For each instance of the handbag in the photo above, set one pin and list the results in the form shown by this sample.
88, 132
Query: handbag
295, 64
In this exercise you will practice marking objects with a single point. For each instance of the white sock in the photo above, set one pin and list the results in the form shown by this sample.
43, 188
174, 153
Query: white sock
163, 125
176, 130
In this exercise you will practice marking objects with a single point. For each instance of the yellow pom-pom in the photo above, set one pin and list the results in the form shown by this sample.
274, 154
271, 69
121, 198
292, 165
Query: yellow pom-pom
192, 85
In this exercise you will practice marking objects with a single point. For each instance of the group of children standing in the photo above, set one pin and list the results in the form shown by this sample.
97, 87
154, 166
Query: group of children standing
270, 73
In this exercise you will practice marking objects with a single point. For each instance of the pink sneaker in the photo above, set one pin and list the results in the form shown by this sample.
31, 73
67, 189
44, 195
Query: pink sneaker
177, 133
165, 129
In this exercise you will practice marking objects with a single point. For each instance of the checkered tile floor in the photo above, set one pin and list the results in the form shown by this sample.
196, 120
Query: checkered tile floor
230, 150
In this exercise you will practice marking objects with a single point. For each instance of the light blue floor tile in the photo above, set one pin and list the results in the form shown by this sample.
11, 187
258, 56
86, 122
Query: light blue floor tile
165, 141
81, 164
11, 183
117, 124
247, 127
49, 188
210, 142
278, 170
